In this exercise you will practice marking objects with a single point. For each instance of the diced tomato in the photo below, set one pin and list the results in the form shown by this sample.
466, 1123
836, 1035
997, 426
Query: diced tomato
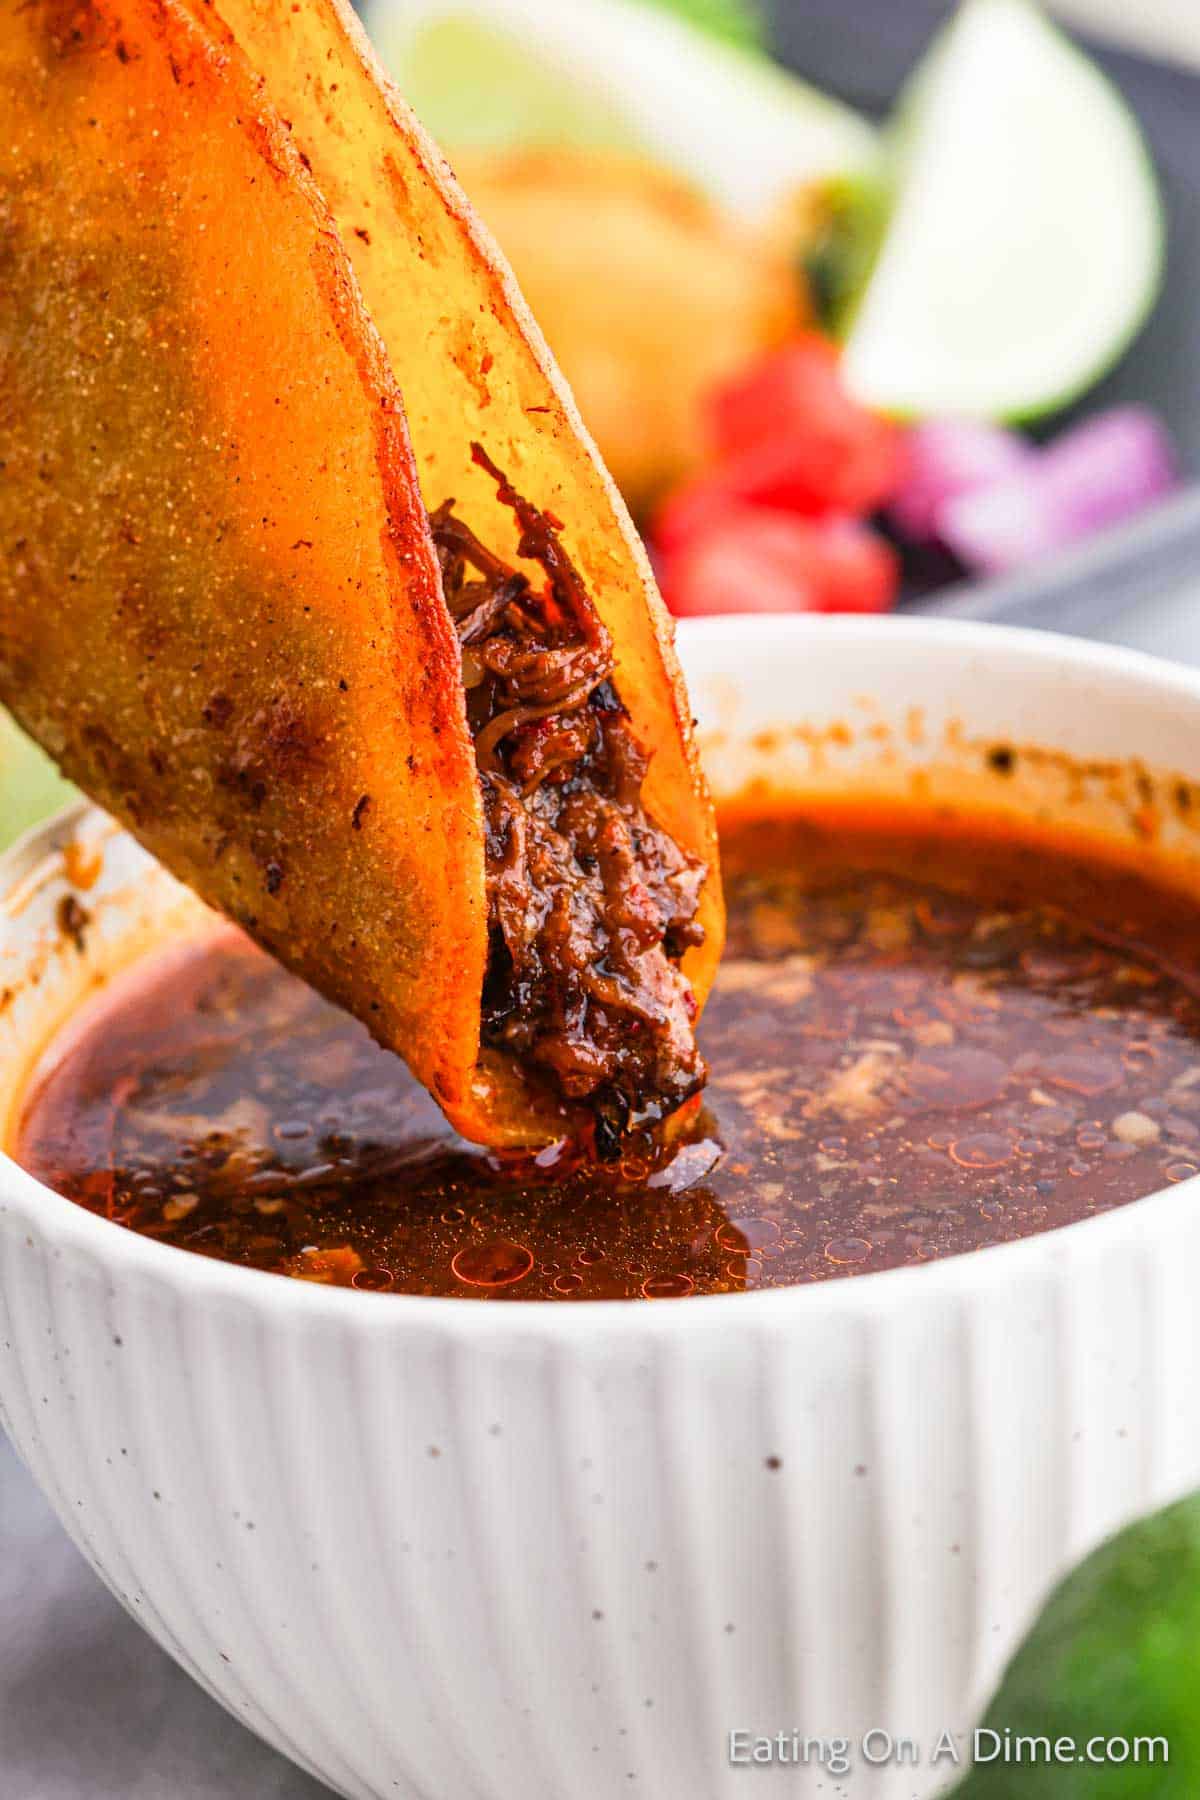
693, 509
858, 571
786, 433
746, 561
784, 478
750, 559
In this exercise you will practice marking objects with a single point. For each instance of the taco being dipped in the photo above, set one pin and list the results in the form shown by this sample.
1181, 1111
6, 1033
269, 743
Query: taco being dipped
405, 706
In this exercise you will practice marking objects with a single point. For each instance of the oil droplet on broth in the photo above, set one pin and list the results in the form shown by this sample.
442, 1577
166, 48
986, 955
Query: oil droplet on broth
740, 1237
983, 1150
1083, 1072
497, 1263
373, 1280
668, 1287
848, 1250
956, 1076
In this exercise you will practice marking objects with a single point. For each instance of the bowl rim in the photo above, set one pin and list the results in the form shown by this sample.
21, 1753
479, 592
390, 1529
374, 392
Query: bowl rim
66, 1226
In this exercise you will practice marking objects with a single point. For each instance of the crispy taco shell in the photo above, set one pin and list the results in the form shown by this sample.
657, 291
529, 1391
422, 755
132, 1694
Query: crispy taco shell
227, 250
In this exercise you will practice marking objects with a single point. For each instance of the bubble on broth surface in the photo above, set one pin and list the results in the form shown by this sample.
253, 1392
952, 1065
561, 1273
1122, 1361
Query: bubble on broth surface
848, 1250
982, 1150
494, 1264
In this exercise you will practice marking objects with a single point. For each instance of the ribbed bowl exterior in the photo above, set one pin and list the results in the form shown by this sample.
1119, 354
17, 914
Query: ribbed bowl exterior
442, 1550
430, 1555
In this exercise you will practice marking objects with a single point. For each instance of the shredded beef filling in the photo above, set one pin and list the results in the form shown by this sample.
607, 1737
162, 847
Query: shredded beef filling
590, 905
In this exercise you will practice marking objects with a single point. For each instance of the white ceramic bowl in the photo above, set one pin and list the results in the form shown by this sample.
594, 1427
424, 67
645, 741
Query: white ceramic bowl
446, 1550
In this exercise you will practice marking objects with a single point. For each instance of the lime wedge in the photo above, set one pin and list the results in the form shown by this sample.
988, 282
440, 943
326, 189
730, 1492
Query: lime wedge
1025, 244
619, 74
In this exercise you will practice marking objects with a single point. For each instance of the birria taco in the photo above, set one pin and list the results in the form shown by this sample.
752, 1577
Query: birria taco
311, 575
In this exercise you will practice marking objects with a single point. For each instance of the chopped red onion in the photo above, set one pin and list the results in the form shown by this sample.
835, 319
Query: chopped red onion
947, 457
1098, 473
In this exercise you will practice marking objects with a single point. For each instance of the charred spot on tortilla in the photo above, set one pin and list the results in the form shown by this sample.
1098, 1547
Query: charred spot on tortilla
590, 904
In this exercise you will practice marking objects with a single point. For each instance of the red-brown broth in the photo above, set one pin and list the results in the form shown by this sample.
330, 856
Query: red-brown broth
930, 1033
